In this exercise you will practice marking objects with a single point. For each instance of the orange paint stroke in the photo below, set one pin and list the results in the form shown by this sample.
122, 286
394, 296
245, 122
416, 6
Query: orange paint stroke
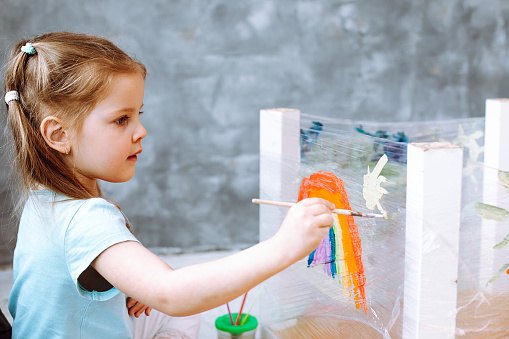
348, 257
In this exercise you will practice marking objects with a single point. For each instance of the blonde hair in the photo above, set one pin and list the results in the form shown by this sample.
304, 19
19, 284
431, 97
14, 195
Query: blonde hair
66, 78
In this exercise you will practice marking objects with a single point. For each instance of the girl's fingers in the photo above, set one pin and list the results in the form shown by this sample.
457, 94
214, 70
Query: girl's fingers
130, 302
324, 220
318, 201
319, 209
140, 312
329, 205
136, 308
132, 310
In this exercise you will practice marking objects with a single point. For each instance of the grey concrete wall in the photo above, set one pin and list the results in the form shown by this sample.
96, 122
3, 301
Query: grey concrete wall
213, 64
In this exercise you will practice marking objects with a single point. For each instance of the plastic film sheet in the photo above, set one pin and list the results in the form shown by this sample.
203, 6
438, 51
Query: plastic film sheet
306, 302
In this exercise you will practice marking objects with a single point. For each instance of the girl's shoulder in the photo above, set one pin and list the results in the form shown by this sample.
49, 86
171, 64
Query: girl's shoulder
58, 212
50, 200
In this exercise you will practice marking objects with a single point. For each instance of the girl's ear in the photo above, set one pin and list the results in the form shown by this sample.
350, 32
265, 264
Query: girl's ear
55, 135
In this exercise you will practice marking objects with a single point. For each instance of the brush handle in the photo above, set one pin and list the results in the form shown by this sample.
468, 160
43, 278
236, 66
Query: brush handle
239, 315
337, 211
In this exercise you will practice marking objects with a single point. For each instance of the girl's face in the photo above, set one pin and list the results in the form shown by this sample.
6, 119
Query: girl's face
109, 141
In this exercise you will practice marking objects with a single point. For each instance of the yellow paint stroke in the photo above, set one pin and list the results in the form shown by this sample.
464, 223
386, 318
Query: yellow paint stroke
347, 259
345, 253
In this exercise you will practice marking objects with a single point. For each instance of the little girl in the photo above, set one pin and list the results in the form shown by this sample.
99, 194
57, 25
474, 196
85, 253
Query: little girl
73, 104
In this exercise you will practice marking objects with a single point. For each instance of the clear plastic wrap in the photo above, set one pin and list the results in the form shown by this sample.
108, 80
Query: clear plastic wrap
306, 302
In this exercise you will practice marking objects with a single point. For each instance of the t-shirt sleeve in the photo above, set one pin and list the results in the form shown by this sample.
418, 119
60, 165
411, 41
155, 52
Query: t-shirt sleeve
95, 226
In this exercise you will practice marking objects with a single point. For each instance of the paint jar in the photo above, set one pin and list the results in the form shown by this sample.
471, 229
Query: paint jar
225, 329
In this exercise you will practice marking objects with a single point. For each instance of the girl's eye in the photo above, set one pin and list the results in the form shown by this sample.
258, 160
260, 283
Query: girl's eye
122, 120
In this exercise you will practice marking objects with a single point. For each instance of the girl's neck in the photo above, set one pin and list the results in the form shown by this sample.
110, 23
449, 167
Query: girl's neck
90, 185
92, 188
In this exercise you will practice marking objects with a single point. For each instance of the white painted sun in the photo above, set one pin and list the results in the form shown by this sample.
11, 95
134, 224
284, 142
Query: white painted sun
468, 141
372, 190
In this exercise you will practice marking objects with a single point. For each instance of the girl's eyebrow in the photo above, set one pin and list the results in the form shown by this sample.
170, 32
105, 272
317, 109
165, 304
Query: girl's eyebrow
126, 110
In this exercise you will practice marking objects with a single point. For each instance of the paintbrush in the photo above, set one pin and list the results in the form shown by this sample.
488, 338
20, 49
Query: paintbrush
337, 211
229, 313
239, 315
254, 301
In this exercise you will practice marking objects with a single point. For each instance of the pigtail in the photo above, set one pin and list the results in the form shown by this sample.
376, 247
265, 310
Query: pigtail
20, 129
13, 79
33, 157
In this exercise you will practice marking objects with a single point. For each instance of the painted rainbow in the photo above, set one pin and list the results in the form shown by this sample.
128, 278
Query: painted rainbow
340, 252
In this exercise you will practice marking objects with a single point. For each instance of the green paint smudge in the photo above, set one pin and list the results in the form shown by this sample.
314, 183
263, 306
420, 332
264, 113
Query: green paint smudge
502, 244
491, 212
504, 177
501, 271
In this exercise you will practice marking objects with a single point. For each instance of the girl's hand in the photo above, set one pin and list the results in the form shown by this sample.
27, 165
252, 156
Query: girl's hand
136, 308
304, 227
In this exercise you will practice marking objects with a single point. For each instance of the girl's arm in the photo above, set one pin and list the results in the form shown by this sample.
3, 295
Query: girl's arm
142, 275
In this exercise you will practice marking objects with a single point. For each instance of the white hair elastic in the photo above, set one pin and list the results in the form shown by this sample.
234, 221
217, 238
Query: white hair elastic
11, 95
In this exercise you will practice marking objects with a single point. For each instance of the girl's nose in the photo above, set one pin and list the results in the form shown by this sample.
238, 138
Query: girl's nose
140, 132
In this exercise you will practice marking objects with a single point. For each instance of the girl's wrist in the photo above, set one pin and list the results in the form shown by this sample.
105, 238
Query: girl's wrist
285, 252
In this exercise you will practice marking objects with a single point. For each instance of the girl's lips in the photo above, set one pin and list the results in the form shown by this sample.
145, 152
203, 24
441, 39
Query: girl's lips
134, 157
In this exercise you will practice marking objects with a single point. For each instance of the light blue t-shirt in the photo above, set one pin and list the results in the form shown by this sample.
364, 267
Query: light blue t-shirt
57, 240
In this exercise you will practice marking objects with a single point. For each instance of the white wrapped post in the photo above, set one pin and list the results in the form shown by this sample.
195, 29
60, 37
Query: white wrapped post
279, 162
434, 180
496, 158
279, 166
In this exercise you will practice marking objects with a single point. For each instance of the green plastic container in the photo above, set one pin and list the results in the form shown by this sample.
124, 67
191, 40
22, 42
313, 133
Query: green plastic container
225, 329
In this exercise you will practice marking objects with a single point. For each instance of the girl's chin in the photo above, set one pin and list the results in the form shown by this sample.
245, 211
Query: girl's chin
118, 180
